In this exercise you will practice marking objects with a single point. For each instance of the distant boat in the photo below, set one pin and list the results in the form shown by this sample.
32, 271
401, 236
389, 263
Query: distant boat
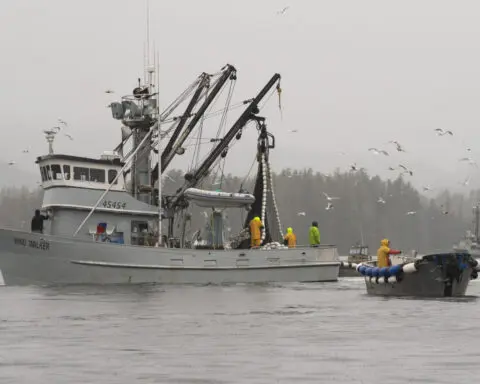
357, 254
471, 242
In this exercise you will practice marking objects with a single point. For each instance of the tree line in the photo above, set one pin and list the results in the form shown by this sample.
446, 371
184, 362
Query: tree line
368, 208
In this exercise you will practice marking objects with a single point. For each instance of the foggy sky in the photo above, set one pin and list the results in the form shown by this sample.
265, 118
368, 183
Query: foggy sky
354, 75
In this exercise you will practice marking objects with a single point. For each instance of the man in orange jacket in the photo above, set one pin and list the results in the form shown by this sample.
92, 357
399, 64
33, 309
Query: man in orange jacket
256, 226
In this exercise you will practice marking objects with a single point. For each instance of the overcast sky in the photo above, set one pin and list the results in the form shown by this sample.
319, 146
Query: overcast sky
355, 74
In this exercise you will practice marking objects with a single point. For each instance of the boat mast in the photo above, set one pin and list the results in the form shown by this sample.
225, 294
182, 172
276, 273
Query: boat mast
476, 221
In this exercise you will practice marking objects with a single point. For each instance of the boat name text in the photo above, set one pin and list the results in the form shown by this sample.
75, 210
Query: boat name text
42, 244
114, 204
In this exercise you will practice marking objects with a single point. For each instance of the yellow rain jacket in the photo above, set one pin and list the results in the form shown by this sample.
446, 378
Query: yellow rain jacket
290, 238
383, 258
255, 231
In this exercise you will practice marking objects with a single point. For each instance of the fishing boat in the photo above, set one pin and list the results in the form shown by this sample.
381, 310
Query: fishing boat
471, 242
358, 253
434, 275
106, 215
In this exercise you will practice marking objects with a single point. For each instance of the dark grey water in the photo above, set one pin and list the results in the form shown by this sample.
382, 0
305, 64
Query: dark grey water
293, 333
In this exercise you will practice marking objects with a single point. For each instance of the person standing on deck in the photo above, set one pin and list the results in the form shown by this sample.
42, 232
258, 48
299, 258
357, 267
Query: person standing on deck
37, 222
256, 226
383, 259
290, 238
314, 235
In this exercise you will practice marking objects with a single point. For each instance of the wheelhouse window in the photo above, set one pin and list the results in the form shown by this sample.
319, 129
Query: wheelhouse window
66, 172
43, 173
112, 173
80, 173
56, 172
49, 172
97, 175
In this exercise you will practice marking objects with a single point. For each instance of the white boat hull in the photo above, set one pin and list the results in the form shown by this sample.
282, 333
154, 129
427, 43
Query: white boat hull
35, 259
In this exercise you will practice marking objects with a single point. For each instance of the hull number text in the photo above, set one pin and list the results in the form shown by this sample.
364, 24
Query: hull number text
114, 204
42, 244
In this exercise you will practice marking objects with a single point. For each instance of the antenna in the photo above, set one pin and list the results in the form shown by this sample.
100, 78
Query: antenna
50, 136
148, 39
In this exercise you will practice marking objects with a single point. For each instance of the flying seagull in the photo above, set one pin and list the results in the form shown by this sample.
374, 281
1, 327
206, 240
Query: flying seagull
63, 122
405, 169
444, 211
465, 182
301, 214
25, 151
169, 177
11, 163
441, 132
378, 151
426, 188
109, 91
293, 130
469, 160
330, 198
411, 213
381, 200
329, 206
282, 11
398, 146
392, 169
69, 136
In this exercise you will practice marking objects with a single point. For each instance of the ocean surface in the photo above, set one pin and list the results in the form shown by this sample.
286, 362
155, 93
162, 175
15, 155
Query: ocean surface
288, 333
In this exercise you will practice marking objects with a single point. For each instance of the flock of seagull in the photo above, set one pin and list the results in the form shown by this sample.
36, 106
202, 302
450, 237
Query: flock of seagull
62, 125
403, 170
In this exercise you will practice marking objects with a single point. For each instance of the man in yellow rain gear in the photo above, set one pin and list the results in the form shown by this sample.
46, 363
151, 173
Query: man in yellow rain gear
256, 226
383, 259
290, 238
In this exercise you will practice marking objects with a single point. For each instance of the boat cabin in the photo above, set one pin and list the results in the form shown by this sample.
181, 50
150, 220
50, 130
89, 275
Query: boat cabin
73, 185
359, 253
81, 172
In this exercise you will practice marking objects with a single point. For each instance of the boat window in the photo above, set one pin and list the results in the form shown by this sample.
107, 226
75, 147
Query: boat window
56, 172
80, 173
140, 234
66, 172
49, 172
97, 175
43, 173
112, 173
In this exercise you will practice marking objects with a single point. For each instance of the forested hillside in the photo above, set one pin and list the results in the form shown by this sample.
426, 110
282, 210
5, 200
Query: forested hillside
359, 211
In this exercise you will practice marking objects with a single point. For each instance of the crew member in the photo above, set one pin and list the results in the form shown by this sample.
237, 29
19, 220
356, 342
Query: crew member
383, 259
290, 238
314, 235
255, 232
37, 222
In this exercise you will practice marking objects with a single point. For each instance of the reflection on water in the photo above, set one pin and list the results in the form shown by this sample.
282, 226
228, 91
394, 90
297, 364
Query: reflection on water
308, 333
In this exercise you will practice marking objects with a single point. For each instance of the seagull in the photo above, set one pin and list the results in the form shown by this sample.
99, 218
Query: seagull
301, 214
282, 11
392, 169
444, 211
330, 198
69, 136
441, 132
169, 177
329, 206
109, 91
25, 151
465, 182
378, 151
398, 145
406, 170
355, 168
205, 214
426, 189
381, 201
11, 163
469, 160
293, 130
63, 122
411, 213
